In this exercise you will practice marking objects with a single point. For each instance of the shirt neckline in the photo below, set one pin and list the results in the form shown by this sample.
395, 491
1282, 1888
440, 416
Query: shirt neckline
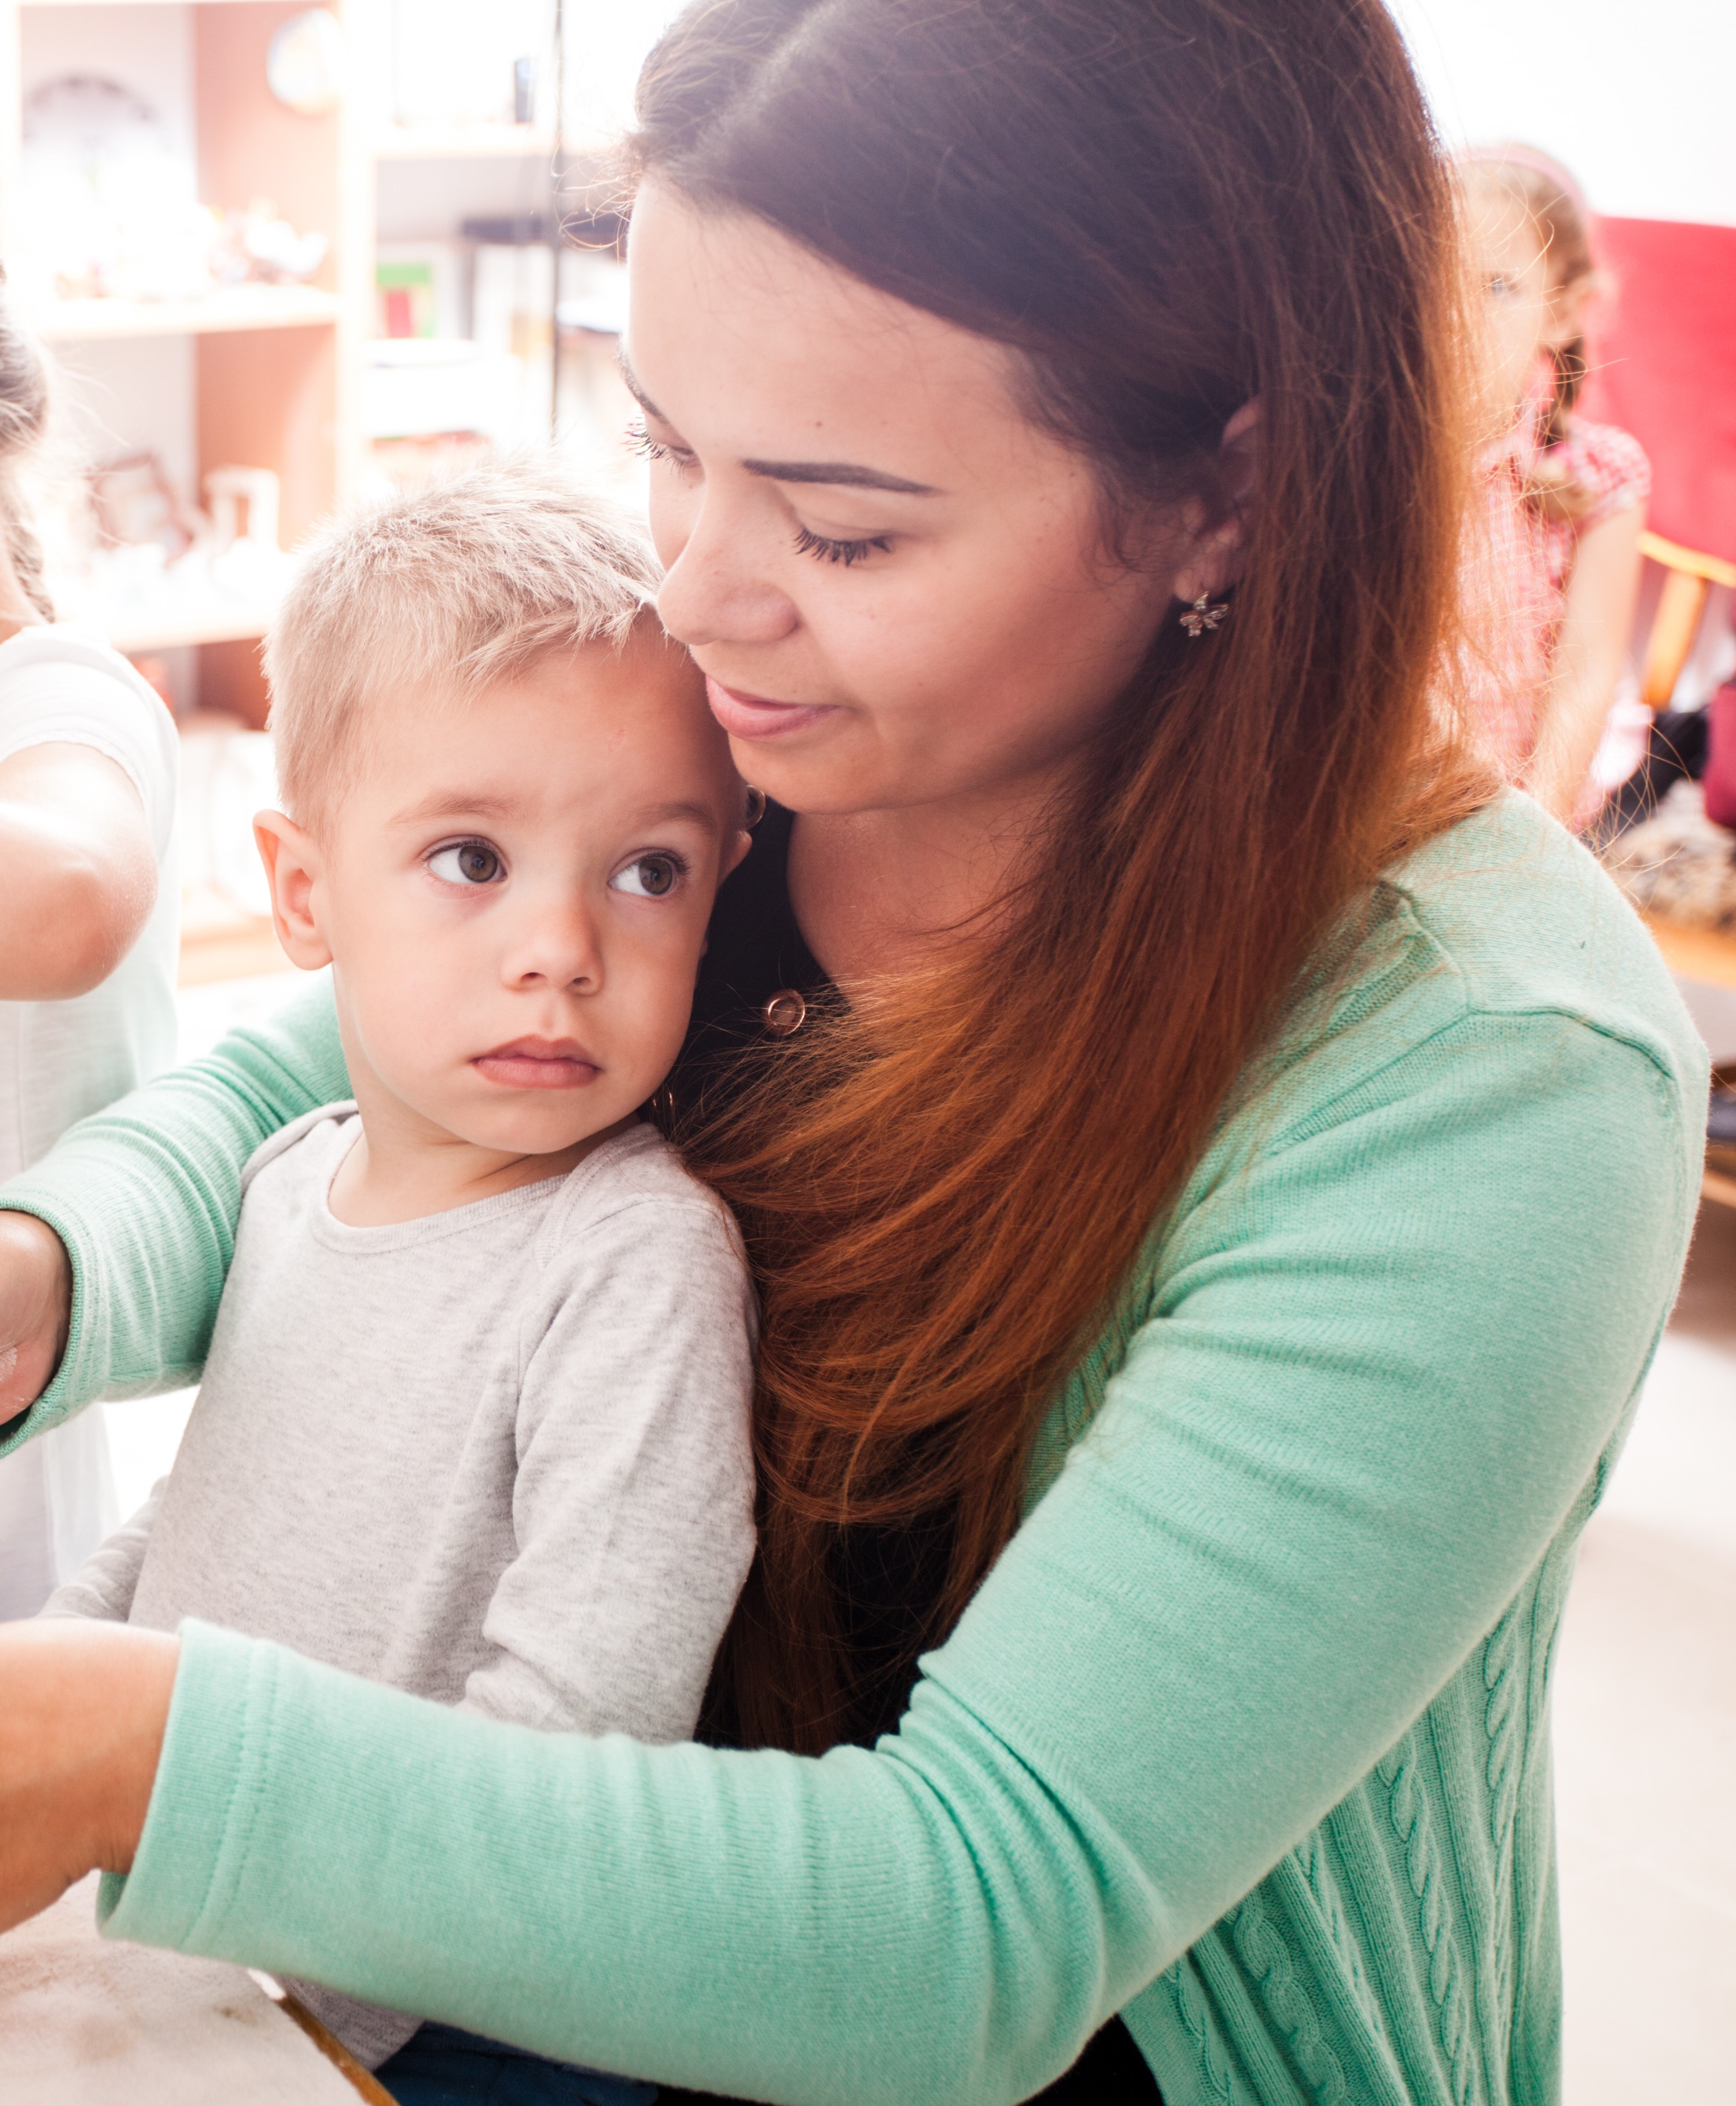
358, 1240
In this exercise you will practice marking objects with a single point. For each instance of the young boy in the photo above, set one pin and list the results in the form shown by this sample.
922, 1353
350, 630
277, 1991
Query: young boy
474, 1420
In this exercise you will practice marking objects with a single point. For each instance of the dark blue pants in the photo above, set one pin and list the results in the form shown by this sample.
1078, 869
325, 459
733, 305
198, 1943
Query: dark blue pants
440, 2066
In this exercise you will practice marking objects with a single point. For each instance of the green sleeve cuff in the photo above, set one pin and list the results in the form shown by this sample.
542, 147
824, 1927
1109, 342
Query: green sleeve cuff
80, 1373
197, 1825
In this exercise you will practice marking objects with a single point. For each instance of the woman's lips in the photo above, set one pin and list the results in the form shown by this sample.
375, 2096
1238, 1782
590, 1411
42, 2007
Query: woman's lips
752, 716
538, 1063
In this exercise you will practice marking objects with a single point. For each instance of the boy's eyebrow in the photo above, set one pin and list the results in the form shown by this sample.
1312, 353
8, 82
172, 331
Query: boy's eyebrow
702, 815
465, 804
455, 804
848, 475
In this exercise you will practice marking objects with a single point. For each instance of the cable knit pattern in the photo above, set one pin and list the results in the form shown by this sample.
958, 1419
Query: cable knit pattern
1263, 1948
1221, 2088
1501, 1719
1413, 1817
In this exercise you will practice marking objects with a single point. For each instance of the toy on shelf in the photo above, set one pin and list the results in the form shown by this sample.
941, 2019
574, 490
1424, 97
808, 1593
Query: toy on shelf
128, 557
111, 210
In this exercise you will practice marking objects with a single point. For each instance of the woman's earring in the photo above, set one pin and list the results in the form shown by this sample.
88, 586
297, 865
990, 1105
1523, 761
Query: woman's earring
755, 807
1203, 614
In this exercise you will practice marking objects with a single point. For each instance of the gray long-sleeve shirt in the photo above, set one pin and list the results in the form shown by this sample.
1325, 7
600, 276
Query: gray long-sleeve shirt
498, 1457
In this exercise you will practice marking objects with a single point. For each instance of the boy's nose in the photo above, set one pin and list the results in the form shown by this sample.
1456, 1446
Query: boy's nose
558, 947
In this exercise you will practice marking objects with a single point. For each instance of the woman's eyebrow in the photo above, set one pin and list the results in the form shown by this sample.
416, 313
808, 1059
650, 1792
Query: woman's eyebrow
850, 475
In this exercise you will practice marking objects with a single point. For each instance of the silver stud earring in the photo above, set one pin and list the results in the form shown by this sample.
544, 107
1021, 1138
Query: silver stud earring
1203, 614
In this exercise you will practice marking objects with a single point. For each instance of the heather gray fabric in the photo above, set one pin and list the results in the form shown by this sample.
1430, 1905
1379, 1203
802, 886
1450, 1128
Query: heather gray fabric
498, 1457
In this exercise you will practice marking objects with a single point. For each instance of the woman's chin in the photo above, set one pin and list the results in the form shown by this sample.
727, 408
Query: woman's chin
820, 776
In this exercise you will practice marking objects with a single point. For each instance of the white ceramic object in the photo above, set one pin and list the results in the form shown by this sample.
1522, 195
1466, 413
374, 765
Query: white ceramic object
307, 67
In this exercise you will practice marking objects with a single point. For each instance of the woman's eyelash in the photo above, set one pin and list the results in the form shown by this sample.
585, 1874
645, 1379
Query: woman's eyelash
828, 551
640, 442
823, 547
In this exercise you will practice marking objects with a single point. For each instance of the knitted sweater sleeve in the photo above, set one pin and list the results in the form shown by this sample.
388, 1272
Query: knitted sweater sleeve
1379, 1361
145, 1196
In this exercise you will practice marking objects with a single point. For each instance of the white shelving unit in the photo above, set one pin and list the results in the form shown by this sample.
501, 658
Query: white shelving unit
271, 370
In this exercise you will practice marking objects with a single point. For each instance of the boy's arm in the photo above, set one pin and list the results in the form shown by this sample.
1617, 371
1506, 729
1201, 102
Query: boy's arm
633, 1506
103, 1587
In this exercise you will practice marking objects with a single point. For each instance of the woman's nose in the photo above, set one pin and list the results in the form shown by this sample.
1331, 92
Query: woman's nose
713, 593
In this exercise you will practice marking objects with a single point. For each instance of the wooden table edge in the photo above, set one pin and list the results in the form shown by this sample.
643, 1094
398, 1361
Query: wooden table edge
361, 2080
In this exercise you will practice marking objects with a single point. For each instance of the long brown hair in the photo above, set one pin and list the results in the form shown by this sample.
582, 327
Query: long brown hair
1168, 207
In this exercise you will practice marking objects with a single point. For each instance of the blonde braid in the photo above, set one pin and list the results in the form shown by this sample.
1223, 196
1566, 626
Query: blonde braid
23, 419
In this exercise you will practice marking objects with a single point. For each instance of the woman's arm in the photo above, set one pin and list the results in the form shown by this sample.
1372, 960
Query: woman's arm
1388, 1356
1591, 650
143, 1197
81, 870
79, 1750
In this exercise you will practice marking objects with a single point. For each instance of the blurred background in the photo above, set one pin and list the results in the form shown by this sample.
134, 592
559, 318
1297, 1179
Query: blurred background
287, 257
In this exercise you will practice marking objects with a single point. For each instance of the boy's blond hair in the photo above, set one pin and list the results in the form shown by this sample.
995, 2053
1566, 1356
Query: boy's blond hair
442, 595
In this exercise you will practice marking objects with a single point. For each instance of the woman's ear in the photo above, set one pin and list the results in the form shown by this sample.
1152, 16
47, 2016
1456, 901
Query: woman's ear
1215, 537
293, 867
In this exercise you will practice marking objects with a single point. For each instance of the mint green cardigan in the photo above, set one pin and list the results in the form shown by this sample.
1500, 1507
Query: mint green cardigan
1246, 1736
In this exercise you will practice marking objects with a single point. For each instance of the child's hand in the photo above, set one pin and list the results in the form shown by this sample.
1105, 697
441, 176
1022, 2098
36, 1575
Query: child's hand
82, 1710
35, 1307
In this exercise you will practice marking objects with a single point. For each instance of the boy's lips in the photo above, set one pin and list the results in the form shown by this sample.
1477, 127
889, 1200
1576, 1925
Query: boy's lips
538, 1063
756, 716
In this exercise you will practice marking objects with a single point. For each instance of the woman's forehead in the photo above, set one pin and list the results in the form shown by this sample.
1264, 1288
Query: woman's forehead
743, 340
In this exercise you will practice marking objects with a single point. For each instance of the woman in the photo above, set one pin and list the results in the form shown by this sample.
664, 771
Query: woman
1213, 1217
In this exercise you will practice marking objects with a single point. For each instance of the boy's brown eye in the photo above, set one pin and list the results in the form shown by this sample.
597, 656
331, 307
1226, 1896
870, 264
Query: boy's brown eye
466, 862
650, 877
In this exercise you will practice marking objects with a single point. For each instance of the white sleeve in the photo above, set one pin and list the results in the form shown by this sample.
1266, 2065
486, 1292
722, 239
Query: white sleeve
633, 1506
56, 689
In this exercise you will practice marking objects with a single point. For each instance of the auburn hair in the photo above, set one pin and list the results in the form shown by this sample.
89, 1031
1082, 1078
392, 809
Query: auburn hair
1166, 208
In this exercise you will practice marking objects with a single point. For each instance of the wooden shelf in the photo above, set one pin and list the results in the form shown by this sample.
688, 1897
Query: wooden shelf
234, 308
1716, 1185
110, 3
242, 950
1695, 954
142, 630
463, 142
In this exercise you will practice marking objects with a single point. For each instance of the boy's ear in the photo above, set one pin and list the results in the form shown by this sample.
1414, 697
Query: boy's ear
733, 851
291, 866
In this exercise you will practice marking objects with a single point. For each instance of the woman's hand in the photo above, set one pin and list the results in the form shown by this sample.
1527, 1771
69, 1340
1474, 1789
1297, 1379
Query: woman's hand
82, 1710
35, 1307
